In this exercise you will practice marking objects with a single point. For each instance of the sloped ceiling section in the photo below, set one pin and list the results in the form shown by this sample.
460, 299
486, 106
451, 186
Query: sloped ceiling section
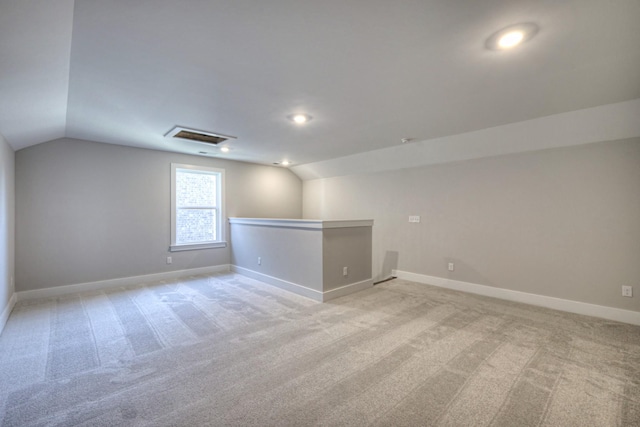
604, 123
35, 49
370, 73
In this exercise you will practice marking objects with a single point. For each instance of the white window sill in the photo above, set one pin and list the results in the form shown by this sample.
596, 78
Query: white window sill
196, 246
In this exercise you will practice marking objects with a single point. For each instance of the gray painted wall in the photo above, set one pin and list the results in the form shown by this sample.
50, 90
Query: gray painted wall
88, 211
290, 254
560, 222
310, 258
346, 247
7, 207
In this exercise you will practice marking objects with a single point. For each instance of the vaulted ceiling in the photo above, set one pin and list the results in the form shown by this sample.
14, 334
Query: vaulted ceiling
368, 72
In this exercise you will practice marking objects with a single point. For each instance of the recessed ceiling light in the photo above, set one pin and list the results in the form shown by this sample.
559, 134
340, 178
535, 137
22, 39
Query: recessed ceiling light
224, 149
511, 39
300, 118
512, 36
285, 163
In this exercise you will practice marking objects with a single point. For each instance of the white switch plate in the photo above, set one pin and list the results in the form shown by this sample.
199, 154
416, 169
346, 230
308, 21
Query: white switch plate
345, 271
627, 291
259, 260
451, 266
414, 218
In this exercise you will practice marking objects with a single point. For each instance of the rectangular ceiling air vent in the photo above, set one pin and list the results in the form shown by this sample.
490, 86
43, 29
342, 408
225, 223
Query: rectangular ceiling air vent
200, 136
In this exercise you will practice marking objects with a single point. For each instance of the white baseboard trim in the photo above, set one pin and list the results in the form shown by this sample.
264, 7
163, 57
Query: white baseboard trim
116, 283
279, 283
303, 290
7, 311
347, 289
609, 313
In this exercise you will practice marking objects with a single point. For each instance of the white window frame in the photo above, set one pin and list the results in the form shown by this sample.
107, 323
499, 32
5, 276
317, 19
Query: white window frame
221, 219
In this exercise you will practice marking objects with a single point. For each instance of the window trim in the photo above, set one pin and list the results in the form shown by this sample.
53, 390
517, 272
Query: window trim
220, 201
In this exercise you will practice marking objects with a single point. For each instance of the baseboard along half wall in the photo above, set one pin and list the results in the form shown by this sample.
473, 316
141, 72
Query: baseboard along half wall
172, 275
347, 289
303, 290
7, 311
116, 283
609, 313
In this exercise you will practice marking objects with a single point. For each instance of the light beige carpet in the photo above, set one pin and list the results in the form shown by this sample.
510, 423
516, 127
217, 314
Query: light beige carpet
228, 350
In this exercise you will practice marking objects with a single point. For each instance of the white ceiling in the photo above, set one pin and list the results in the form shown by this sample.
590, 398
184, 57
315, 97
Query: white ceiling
369, 72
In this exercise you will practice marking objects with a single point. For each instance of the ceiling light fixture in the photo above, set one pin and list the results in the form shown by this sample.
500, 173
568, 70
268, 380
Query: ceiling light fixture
224, 149
299, 118
285, 163
511, 39
512, 36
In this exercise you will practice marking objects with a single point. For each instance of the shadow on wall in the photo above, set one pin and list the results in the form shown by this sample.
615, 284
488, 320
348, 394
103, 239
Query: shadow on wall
389, 264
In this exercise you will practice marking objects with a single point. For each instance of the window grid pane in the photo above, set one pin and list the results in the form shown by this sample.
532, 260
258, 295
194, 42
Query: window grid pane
195, 189
196, 210
195, 225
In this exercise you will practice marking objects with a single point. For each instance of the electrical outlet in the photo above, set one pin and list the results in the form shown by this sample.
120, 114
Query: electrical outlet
13, 286
259, 260
451, 266
414, 218
345, 271
169, 260
627, 291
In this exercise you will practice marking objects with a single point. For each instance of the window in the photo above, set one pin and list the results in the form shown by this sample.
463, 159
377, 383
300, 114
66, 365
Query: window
197, 214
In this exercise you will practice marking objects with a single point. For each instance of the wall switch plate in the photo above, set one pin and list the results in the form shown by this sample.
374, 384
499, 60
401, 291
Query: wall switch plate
169, 260
259, 260
345, 271
451, 266
627, 291
414, 218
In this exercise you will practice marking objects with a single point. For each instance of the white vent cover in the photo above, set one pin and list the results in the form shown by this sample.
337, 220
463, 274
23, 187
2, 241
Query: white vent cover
200, 136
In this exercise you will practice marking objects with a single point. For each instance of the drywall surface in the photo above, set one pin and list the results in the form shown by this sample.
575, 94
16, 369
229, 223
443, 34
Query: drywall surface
346, 247
88, 211
603, 123
7, 207
561, 222
321, 256
290, 254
